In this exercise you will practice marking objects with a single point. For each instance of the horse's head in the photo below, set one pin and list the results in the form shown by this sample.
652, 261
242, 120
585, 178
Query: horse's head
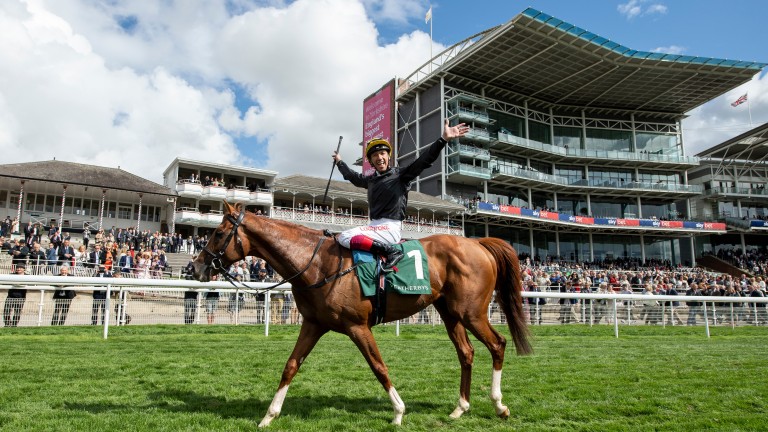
224, 247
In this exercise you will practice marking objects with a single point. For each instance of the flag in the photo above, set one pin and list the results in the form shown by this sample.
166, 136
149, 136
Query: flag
428, 16
739, 101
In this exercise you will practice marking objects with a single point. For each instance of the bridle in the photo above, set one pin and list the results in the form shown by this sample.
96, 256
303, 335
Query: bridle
216, 260
217, 264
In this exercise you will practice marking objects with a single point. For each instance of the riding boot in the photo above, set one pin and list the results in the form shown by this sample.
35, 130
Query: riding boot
392, 254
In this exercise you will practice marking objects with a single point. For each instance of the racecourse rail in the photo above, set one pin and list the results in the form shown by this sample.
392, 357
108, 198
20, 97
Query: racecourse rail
162, 301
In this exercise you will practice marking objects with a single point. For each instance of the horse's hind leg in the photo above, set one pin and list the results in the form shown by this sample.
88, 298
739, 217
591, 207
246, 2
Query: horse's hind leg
495, 342
362, 337
458, 335
308, 336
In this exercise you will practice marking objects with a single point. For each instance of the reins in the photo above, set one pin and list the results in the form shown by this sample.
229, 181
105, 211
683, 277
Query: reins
217, 264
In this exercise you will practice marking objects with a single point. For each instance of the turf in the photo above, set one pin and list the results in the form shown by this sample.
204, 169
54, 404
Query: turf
172, 378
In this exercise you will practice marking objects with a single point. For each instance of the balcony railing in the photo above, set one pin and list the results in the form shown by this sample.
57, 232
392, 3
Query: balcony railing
214, 192
527, 173
470, 170
467, 150
189, 188
475, 116
737, 191
595, 154
350, 220
238, 193
187, 215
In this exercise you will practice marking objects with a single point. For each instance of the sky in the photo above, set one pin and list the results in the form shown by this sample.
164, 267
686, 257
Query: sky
272, 84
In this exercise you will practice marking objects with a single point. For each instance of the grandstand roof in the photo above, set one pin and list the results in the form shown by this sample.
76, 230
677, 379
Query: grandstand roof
750, 146
551, 63
308, 184
84, 175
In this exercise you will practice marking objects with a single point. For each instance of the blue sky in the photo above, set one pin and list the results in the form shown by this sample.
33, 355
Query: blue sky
273, 83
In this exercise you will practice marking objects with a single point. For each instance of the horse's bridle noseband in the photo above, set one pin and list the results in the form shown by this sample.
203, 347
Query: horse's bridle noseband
216, 260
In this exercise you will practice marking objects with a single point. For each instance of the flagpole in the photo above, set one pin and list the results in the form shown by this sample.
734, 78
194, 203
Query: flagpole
749, 110
430, 39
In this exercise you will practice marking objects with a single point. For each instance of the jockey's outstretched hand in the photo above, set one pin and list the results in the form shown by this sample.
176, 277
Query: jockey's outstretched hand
451, 132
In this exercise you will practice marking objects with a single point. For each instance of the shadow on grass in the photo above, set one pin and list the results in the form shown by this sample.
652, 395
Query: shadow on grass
302, 407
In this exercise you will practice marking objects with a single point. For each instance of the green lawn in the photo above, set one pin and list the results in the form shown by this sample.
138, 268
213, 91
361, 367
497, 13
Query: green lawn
151, 378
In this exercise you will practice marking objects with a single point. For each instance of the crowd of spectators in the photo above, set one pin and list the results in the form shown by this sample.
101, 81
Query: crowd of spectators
125, 250
578, 278
753, 261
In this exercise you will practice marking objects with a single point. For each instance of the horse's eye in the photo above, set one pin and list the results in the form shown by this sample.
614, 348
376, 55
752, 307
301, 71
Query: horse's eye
219, 233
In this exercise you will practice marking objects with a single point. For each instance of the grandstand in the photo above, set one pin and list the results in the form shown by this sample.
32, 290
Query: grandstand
576, 150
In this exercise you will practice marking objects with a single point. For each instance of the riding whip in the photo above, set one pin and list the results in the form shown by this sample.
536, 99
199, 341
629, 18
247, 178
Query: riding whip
332, 168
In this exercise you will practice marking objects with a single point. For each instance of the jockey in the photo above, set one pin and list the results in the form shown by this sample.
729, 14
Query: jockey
388, 194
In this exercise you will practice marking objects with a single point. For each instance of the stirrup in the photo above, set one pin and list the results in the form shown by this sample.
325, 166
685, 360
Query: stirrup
392, 260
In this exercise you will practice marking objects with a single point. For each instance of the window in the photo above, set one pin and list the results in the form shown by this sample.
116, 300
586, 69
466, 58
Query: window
608, 140
77, 204
3, 198
124, 211
569, 137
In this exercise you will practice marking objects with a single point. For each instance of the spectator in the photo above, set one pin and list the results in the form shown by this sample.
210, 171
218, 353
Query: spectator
66, 254
100, 297
62, 299
19, 253
14, 303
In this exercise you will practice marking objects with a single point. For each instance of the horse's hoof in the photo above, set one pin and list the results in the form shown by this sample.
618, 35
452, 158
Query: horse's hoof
504, 414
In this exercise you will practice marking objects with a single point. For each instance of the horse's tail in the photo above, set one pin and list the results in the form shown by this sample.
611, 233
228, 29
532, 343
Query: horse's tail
509, 287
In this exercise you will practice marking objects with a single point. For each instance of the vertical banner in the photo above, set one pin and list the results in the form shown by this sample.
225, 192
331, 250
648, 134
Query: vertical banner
378, 119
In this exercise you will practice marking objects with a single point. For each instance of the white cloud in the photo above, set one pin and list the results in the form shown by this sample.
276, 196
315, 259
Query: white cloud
717, 121
76, 85
672, 49
637, 8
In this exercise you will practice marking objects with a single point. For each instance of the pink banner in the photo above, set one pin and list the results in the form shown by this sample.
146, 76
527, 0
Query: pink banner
378, 119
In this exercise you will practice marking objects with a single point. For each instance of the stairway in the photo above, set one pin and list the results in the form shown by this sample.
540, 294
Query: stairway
714, 263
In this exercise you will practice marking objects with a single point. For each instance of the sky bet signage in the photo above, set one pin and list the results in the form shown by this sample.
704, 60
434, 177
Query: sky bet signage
608, 222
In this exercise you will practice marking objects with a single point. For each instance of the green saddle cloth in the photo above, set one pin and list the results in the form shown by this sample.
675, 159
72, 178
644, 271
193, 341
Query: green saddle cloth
411, 277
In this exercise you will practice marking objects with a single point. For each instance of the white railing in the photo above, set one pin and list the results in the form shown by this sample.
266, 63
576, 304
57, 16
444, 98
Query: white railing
350, 220
143, 301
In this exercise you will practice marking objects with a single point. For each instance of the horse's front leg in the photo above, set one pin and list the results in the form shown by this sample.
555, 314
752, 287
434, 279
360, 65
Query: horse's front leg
362, 337
308, 336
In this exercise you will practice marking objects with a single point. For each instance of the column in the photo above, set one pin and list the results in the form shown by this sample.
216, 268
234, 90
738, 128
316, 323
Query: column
138, 217
61, 214
591, 247
173, 217
530, 239
21, 199
642, 248
101, 208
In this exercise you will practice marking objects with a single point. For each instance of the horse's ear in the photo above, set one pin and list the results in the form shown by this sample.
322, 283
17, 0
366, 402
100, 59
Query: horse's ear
228, 207
239, 207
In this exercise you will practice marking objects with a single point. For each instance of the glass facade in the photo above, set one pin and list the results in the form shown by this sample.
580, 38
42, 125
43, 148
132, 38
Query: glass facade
572, 204
608, 140
612, 247
655, 143
539, 132
617, 207
568, 137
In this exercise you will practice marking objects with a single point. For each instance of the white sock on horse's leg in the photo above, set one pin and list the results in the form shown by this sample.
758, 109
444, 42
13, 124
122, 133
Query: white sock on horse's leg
501, 410
397, 405
461, 408
275, 407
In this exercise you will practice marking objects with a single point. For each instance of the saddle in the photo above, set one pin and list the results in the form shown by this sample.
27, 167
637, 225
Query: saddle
412, 276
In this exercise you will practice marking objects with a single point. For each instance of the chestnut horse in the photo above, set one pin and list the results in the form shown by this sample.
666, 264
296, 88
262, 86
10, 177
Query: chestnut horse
463, 272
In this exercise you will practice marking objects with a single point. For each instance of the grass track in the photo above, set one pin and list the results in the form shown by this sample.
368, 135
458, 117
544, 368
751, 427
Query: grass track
157, 378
